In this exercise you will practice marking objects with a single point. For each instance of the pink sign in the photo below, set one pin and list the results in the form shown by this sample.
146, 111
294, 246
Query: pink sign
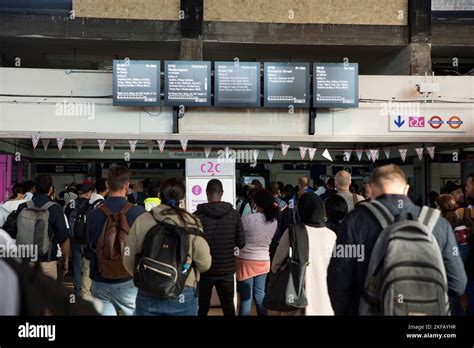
196, 190
416, 122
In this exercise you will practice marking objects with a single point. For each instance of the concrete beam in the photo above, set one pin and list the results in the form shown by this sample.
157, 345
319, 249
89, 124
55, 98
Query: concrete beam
191, 49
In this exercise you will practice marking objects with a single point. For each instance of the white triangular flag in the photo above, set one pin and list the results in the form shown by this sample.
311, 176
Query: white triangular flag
161, 144
431, 151
367, 152
387, 150
419, 152
178, 164
112, 144
270, 154
150, 144
161, 164
359, 154
147, 165
284, 149
45, 143
311, 152
60, 142
89, 166
35, 140
128, 164
79, 143
303, 152
102, 165
133, 145
184, 144
327, 155
347, 155
374, 154
403, 154
207, 150
102, 144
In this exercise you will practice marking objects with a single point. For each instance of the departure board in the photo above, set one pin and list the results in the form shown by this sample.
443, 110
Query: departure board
236, 84
335, 85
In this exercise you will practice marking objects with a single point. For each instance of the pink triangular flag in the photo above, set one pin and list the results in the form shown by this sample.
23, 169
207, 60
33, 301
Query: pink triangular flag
101, 143
184, 144
374, 153
270, 154
359, 154
303, 152
403, 154
431, 151
79, 143
35, 140
45, 143
207, 150
161, 144
112, 144
284, 149
387, 150
133, 145
311, 152
419, 152
347, 155
150, 144
128, 164
60, 142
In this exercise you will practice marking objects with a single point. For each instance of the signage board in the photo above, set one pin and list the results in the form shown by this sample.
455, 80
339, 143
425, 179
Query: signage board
335, 85
136, 83
441, 122
187, 83
236, 84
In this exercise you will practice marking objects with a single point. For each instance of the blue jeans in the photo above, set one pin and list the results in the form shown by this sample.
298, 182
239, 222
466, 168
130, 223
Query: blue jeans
252, 288
77, 263
114, 297
470, 296
185, 304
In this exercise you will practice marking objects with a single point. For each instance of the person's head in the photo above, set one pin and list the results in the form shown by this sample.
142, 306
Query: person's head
214, 191
118, 181
447, 203
366, 190
388, 179
256, 184
138, 186
331, 183
303, 182
84, 191
43, 184
280, 185
275, 188
470, 186
30, 186
288, 191
455, 190
318, 183
310, 210
354, 188
101, 186
433, 198
153, 189
336, 208
18, 191
343, 180
264, 202
172, 192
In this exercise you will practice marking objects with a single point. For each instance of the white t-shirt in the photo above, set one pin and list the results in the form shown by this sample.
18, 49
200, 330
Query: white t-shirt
7, 208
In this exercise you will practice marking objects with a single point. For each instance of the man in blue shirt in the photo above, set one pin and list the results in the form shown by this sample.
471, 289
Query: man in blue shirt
115, 294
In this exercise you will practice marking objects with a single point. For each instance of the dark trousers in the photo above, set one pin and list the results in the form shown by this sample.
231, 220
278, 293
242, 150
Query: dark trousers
225, 289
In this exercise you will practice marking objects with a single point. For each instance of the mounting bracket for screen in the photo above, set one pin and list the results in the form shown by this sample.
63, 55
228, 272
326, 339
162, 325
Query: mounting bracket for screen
312, 121
176, 118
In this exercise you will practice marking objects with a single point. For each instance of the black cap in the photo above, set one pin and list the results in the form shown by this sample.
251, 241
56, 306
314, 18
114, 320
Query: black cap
451, 187
83, 188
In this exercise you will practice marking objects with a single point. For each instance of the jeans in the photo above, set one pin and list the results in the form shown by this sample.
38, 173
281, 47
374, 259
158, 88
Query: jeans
185, 303
225, 289
252, 288
115, 297
77, 263
470, 296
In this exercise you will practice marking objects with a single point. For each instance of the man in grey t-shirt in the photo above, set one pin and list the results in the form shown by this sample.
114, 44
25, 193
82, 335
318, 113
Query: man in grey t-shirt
343, 181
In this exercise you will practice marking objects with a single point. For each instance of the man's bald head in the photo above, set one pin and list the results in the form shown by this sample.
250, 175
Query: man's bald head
343, 180
303, 182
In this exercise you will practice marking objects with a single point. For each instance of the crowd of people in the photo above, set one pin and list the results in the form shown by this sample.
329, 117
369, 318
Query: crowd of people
139, 252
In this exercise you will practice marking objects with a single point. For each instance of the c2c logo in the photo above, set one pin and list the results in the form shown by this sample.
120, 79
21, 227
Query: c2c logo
210, 168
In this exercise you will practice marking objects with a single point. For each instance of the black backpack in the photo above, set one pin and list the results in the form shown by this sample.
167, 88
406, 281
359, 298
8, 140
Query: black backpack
286, 287
81, 235
42, 295
10, 224
164, 263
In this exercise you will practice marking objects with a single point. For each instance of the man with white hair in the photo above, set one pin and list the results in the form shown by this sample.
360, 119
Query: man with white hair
343, 181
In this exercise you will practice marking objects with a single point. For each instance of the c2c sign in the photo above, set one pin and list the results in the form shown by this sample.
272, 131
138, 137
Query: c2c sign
210, 168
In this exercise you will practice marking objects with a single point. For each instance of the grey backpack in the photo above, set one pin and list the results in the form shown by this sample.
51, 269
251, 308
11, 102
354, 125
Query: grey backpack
406, 273
32, 227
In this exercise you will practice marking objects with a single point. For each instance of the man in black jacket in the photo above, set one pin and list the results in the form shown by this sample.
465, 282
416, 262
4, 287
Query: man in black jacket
224, 232
346, 275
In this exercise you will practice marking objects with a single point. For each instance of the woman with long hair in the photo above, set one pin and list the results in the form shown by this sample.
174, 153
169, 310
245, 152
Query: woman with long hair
169, 212
253, 261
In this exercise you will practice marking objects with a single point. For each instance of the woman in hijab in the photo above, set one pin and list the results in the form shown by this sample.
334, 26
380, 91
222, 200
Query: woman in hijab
321, 244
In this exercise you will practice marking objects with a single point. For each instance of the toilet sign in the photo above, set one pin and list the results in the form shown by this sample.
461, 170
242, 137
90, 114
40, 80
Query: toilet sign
199, 172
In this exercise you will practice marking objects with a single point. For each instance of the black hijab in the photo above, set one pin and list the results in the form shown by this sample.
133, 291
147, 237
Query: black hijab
310, 209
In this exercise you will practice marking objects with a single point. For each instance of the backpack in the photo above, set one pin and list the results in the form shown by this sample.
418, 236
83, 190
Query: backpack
42, 295
111, 244
406, 273
162, 266
80, 232
286, 287
33, 226
10, 224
